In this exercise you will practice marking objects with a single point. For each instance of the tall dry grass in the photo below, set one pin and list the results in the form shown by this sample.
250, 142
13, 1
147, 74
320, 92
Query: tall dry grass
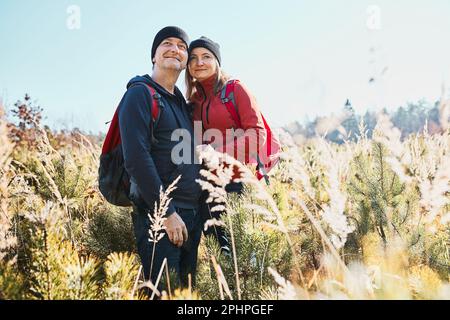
363, 220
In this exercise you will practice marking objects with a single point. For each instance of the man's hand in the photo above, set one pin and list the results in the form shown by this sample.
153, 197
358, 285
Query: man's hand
176, 229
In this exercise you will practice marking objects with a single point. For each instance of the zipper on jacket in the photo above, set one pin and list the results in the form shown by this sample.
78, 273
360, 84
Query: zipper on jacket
207, 110
203, 104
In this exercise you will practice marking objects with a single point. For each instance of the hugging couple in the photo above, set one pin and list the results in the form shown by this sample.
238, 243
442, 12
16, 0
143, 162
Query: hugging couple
149, 112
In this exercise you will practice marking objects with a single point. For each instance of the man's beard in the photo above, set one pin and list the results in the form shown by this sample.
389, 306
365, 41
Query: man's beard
174, 66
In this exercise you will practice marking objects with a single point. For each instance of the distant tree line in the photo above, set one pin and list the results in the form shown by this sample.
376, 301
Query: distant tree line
27, 117
410, 119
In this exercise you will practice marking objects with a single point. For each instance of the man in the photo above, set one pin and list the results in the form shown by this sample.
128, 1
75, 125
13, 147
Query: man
147, 148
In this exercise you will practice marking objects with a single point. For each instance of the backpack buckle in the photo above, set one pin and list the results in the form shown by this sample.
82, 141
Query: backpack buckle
157, 97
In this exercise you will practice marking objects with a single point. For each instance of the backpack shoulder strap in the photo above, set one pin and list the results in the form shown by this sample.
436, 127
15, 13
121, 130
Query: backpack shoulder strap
227, 97
156, 102
156, 105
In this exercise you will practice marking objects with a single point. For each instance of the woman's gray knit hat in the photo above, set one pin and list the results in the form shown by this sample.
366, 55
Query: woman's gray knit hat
207, 43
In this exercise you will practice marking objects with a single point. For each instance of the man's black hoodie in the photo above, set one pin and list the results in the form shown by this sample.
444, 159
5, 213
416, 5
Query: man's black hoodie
149, 164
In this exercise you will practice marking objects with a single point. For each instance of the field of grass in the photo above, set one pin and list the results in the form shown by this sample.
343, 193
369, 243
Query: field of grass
367, 219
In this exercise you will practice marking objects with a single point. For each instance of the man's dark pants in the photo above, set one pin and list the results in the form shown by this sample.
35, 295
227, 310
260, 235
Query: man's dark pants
181, 260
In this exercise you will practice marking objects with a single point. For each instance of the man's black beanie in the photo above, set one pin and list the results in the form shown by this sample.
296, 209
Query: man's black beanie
169, 32
207, 43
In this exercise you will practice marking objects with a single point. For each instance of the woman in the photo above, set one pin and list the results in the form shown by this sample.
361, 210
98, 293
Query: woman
205, 83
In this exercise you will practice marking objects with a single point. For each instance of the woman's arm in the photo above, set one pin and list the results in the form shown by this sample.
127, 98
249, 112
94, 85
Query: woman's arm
254, 135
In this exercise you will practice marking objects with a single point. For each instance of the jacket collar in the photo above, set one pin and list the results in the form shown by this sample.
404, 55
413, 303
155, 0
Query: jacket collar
206, 87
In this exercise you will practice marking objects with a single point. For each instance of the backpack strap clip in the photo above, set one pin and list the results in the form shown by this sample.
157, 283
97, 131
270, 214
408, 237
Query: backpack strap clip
157, 97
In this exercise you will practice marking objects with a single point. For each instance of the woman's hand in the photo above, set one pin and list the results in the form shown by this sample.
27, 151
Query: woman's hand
203, 148
207, 154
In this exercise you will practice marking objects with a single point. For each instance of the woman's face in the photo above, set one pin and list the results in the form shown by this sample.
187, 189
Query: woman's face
202, 64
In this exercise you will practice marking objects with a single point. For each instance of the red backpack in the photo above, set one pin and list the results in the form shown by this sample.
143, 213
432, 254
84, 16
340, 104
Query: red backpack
113, 180
269, 154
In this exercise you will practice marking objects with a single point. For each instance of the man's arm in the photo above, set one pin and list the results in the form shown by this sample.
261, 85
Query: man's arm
136, 125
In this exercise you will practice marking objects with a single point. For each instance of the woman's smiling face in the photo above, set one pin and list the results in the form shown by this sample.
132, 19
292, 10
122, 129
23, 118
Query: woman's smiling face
202, 64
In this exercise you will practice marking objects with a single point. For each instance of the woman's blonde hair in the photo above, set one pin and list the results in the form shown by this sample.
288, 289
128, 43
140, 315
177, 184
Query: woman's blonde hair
191, 83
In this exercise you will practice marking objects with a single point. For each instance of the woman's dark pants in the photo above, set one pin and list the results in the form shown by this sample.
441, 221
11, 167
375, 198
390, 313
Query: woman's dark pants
205, 212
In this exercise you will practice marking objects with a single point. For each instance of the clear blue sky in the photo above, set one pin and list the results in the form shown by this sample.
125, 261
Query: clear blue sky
299, 58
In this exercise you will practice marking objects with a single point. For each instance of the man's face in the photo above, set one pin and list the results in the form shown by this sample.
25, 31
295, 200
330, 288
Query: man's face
171, 54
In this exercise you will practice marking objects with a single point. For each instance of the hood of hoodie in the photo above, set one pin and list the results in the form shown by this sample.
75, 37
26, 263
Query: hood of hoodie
162, 91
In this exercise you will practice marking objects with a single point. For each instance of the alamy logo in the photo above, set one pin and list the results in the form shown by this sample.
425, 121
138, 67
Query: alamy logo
73, 21
373, 18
